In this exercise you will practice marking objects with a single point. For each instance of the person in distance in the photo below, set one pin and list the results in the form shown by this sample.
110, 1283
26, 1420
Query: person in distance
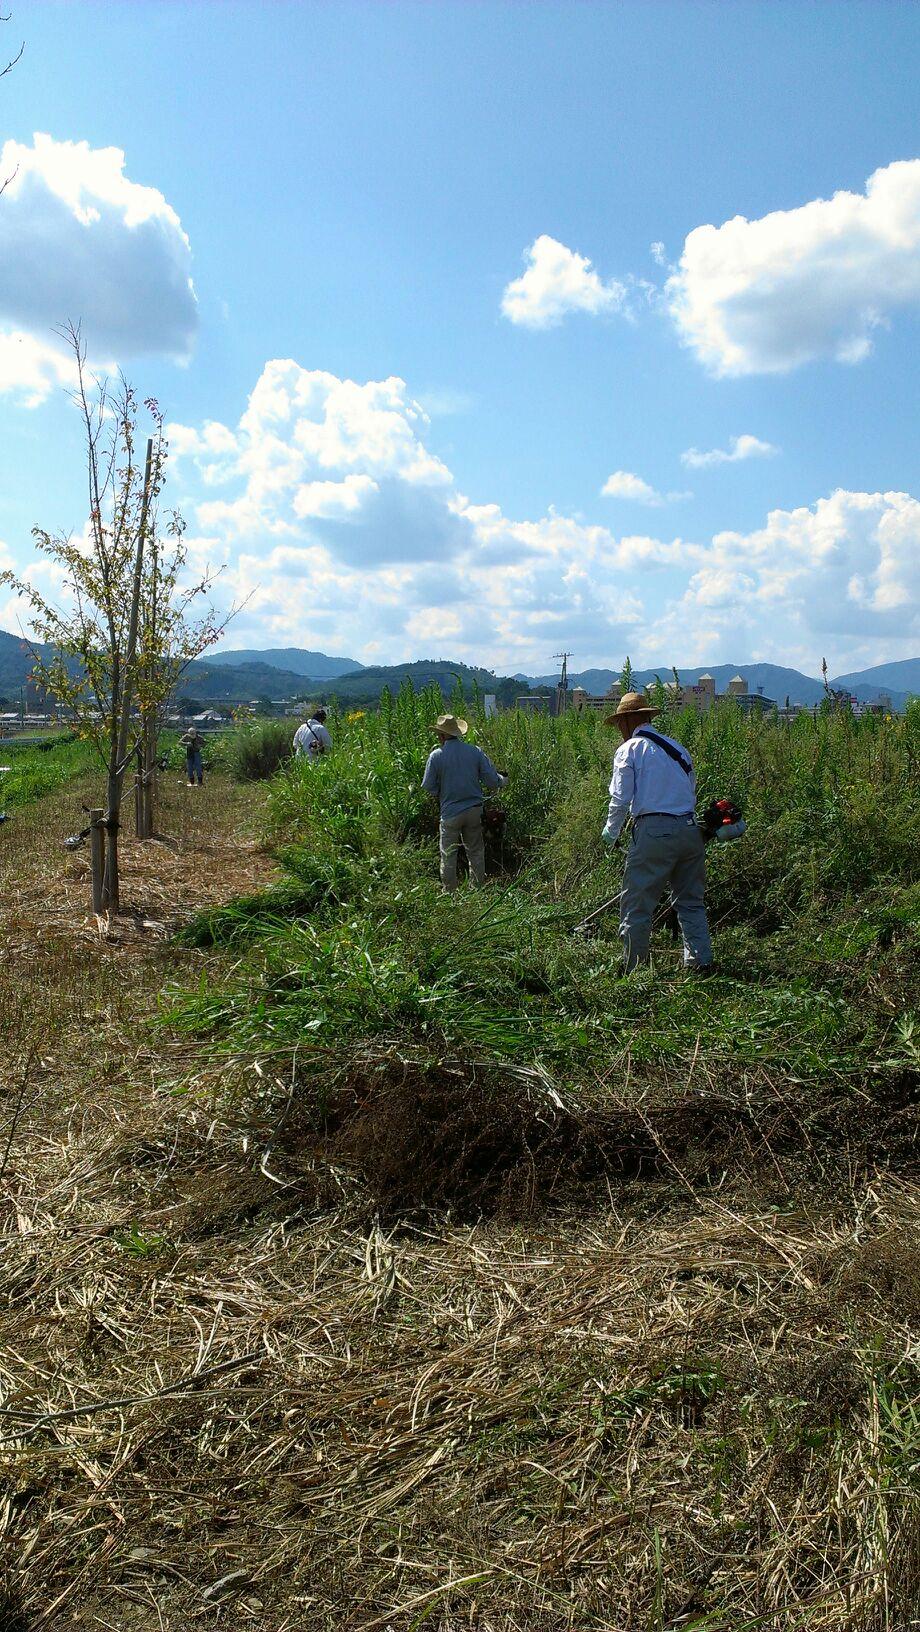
312, 740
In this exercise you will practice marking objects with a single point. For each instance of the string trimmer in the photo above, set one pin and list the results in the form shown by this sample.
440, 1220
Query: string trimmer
721, 820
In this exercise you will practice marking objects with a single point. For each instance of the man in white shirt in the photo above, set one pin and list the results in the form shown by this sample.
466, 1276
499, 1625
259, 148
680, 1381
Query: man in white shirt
653, 781
311, 740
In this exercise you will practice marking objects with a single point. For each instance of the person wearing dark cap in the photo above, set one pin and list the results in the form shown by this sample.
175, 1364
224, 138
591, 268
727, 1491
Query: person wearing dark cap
312, 740
193, 742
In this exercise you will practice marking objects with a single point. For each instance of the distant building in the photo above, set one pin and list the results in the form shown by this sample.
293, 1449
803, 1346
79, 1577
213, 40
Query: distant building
580, 699
702, 696
757, 703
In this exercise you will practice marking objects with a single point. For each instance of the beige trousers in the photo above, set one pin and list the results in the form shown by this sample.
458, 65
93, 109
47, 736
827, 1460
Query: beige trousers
465, 829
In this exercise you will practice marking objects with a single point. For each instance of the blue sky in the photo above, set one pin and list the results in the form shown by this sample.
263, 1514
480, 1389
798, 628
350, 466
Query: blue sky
502, 211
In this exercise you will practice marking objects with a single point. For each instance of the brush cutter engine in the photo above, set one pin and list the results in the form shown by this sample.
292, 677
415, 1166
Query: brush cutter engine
721, 820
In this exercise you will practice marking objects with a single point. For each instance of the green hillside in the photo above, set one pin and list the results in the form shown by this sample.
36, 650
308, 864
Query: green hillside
367, 684
239, 683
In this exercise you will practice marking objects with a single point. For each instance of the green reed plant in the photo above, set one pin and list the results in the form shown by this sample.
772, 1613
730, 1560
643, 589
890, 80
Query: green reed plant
361, 944
831, 801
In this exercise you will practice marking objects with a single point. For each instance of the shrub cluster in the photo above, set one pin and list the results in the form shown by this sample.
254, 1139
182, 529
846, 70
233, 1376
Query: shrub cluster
255, 752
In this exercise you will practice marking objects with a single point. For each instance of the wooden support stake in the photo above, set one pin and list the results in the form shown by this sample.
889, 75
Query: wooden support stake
97, 855
139, 796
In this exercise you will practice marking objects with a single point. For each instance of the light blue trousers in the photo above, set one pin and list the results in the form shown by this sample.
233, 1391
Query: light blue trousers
665, 853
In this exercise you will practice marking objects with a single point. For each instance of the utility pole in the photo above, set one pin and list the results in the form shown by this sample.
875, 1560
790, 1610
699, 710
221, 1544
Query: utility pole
562, 684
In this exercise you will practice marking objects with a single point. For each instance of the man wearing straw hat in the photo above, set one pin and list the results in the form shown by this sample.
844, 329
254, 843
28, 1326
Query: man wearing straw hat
455, 775
653, 780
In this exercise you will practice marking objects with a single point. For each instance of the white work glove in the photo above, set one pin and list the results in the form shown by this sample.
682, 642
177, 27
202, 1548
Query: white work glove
731, 830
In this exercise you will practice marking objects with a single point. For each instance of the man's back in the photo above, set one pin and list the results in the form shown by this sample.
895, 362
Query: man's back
312, 739
650, 779
456, 774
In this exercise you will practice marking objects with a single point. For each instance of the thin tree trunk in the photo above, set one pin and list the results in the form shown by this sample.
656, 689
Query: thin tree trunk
146, 779
120, 765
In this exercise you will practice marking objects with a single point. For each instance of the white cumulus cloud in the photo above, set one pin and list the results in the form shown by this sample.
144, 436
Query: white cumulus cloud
345, 458
558, 281
80, 242
764, 296
830, 576
625, 484
30, 367
339, 521
349, 533
740, 447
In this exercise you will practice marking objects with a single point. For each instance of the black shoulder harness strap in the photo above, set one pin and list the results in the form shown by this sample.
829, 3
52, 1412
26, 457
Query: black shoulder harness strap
672, 752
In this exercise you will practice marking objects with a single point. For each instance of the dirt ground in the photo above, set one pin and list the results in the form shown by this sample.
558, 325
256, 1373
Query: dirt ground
232, 1395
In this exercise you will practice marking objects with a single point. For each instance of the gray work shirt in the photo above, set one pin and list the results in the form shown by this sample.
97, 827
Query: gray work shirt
456, 775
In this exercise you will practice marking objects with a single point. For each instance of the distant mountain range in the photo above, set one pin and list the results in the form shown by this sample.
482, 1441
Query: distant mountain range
293, 671
904, 677
366, 684
213, 682
292, 659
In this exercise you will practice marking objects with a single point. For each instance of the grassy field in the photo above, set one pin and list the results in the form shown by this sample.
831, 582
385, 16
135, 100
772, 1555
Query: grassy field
377, 1260
33, 772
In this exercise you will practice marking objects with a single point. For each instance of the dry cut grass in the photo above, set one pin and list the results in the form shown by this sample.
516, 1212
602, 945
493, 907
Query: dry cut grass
219, 1405
232, 1394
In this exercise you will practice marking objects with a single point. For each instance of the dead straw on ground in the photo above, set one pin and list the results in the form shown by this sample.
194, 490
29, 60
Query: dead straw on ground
237, 1389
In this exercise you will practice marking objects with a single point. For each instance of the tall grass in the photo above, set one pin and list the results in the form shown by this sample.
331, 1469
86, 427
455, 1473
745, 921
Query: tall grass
255, 752
831, 801
361, 944
34, 772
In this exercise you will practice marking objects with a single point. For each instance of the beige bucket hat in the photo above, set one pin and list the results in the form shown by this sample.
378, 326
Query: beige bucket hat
632, 703
449, 725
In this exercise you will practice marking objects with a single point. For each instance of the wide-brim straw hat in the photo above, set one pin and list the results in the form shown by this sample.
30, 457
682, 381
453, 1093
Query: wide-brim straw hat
633, 703
449, 725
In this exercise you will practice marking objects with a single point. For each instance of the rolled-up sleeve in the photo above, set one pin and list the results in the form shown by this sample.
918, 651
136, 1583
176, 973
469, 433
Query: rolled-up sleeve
622, 789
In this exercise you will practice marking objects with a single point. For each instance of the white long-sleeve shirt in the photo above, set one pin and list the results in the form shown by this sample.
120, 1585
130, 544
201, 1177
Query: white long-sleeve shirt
312, 739
647, 781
